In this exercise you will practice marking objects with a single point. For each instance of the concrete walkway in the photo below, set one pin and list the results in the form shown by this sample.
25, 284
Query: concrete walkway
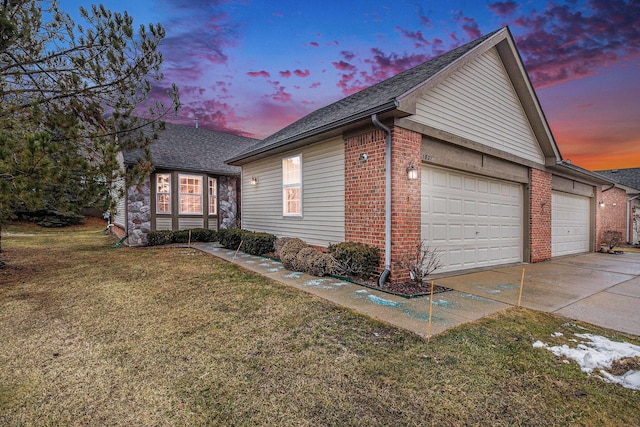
597, 288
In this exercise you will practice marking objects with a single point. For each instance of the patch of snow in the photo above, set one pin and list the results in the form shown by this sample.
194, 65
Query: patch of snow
598, 353
557, 334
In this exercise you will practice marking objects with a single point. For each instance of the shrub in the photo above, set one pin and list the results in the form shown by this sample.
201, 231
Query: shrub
315, 262
279, 244
612, 238
421, 261
230, 238
161, 237
258, 243
203, 235
181, 236
355, 259
289, 254
252, 243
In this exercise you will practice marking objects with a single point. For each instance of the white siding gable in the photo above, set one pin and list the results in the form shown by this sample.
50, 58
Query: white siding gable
479, 103
322, 220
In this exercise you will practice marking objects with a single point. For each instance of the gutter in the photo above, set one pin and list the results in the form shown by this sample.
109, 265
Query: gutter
628, 212
243, 158
387, 203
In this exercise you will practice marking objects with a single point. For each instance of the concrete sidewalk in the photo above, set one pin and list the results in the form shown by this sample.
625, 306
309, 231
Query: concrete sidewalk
597, 288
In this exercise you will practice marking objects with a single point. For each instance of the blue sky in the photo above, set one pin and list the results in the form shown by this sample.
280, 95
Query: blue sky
252, 67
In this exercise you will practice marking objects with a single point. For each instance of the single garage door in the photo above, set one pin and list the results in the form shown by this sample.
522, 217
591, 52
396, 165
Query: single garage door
570, 219
473, 220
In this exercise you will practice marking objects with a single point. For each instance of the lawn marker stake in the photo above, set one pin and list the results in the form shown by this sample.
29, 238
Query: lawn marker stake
237, 250
189, 242
521, 283
430, 311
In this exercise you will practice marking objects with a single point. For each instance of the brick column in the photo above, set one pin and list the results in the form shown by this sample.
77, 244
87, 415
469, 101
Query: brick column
540, 215
613, 215
365, 193
405, 195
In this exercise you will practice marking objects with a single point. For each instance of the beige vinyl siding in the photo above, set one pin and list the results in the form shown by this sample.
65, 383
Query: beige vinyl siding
187, 223
164, 223
479, 103
213, 224
322, 221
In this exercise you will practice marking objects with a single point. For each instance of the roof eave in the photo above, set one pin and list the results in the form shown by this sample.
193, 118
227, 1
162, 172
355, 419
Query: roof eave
263, 152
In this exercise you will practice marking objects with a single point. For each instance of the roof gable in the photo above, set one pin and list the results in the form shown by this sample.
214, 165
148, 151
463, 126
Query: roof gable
188, 148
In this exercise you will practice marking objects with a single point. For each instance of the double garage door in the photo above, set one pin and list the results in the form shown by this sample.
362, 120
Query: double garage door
474, 221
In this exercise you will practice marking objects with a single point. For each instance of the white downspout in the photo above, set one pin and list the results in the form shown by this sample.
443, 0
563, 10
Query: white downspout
628, 213
387, 203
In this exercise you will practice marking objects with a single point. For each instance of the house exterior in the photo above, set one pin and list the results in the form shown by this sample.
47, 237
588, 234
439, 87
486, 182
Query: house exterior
456, 152
191, 186
627, 203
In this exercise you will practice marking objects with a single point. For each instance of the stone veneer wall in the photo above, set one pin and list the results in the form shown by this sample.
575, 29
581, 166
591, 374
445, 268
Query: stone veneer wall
139, 213
228, 202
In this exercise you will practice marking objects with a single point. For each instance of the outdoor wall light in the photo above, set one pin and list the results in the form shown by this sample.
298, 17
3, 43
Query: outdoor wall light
363, 157
412, 172
254, 180
601, 204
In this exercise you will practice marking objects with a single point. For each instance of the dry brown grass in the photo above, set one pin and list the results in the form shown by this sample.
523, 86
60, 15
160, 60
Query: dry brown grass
101, 336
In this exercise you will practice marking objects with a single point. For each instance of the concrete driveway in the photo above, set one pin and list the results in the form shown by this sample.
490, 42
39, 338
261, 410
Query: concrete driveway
601, 289
597, 288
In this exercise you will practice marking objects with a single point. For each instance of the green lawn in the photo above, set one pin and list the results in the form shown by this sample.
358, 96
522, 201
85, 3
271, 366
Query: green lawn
93, 335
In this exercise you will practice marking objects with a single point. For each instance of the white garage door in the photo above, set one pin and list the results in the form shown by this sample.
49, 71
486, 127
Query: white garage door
570, 219
473, 220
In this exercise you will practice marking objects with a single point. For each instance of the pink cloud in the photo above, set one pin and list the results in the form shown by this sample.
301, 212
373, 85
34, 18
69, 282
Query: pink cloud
258, 74
414, 36
343, 66
503, 8
563, 43
285, 74
280, 95
315, 44
301, 73
314, 85
468, 25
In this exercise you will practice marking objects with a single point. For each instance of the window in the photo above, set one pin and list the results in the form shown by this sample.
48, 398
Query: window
292, 186
163, 193
190, 195
213, 196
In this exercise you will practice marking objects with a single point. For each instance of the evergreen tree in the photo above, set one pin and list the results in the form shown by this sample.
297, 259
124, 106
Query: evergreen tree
68, 93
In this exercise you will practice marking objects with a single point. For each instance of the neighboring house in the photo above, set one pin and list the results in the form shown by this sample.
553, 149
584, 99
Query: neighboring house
191, 186
629, 179
456, 151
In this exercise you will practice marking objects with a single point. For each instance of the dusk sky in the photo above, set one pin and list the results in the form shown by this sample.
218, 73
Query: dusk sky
252, 67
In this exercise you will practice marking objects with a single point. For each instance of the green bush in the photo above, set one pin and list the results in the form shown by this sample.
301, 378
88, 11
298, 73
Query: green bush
252, 242
165, 237
161, 237
203, 235
258, 243
230, 238
355, 259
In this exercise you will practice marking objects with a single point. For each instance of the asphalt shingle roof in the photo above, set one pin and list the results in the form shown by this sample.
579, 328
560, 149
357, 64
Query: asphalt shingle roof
366, 100
188, 148
629, 177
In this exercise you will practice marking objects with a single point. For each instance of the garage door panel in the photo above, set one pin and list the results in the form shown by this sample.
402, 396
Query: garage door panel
480, 223
570, 223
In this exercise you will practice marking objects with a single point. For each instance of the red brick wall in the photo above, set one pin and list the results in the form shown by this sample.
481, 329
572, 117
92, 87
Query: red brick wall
365, 193
540, 215
610, 217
